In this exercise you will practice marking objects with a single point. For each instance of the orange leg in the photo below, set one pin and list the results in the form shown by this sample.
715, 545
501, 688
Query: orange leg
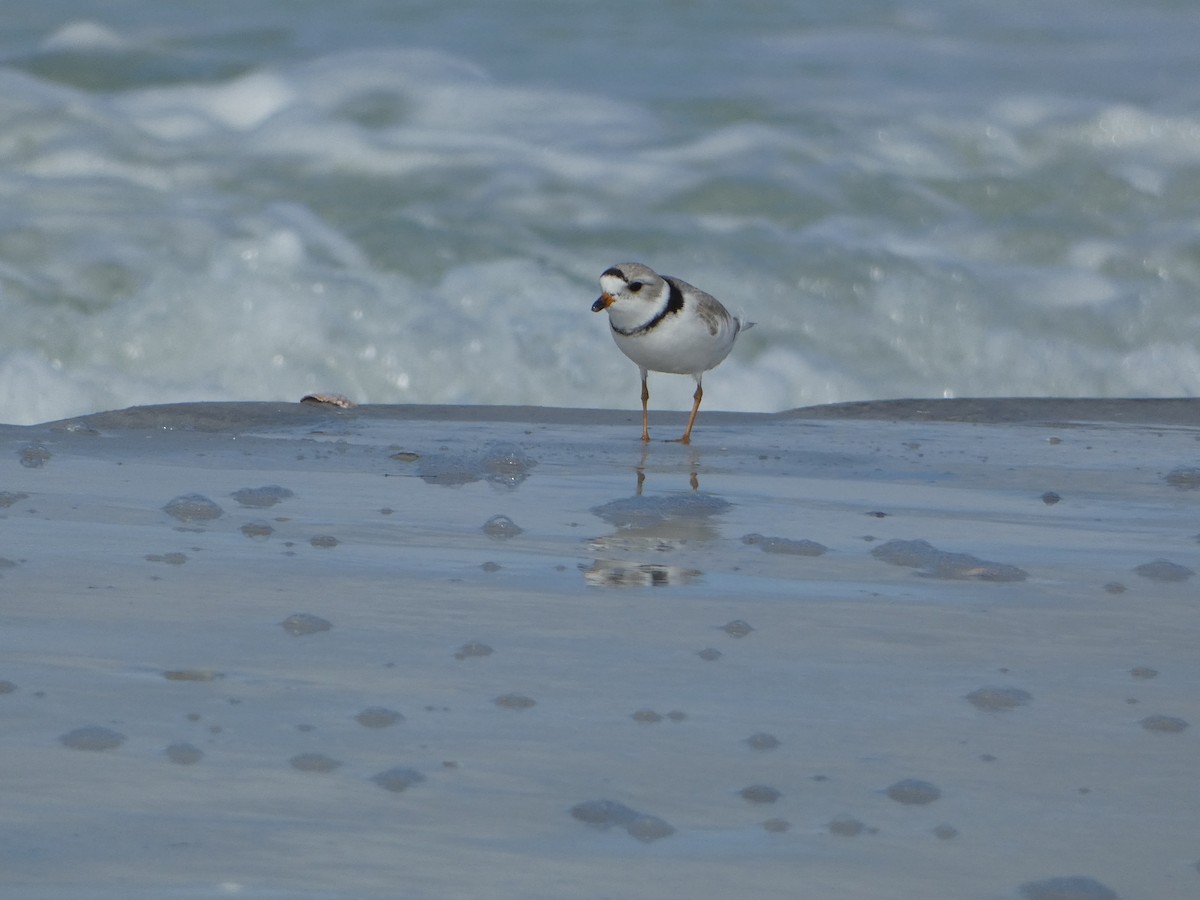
645, 410
696, 397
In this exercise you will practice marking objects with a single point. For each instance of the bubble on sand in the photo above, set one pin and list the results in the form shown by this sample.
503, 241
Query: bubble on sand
945, 832
8, 498
759, 793
913, 792
378, 717
998, 699
1163, 570
324, 541
193, 508
398, 779
472, 649
1164, 724
1114, 587
184, 754
709, 654
313, 762
845, 826
502, 465
1143, 672
762, 741
7, 687
1050, 498
506, 465
262, 497
305, 623
787, 546
737, 628
501, 528
646, 716
1072, 887
257, 530
776, 826
604, 814
514, 701
934, 563
33, 456
93, 737
1184, 478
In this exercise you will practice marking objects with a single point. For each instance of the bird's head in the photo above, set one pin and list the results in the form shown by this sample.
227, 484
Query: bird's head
630, 290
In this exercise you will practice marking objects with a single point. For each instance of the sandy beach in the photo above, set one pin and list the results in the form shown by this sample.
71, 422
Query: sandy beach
937, 649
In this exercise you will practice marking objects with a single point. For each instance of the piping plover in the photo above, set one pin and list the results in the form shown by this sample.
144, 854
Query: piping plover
666, 325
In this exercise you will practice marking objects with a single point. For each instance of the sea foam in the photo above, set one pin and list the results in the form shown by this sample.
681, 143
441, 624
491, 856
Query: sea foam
189, 216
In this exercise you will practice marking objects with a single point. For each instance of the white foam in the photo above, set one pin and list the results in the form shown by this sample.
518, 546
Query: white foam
84, 35
42, 389
407, 224
188, 113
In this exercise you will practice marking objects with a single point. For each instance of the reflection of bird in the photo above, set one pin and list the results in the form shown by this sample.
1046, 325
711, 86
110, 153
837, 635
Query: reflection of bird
608, 573
666, 325
651, 526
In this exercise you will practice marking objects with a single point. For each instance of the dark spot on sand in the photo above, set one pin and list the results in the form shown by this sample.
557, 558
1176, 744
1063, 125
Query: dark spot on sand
934, 563
1163, 570
1072, 887
998, 699
93, 737
262, 497
305, 623
913, 792
398, 779
378, 717
604, 814
313, 762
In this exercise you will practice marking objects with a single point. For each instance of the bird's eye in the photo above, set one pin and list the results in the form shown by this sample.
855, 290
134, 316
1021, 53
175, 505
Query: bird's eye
635, 286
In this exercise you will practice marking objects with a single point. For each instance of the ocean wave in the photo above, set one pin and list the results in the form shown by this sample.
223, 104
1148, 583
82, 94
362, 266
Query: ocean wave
403, 224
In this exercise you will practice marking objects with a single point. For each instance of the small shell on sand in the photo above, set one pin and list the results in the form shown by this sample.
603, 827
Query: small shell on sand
339, 400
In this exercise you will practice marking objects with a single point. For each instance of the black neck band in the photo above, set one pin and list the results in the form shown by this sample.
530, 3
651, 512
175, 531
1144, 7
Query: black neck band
674, 305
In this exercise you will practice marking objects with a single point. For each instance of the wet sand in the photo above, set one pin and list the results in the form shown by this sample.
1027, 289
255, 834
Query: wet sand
915, 648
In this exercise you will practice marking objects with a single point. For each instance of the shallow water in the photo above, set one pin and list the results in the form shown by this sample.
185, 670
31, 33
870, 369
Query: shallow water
412, 203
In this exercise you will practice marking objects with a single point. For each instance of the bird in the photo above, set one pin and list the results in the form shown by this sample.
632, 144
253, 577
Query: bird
664, 324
